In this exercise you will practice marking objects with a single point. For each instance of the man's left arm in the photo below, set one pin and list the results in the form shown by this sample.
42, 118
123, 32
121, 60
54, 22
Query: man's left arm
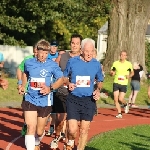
99, 79
131, 72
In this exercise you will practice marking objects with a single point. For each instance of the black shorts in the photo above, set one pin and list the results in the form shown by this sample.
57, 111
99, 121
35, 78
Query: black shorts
59, 103
80, 108
42, 111
119, 87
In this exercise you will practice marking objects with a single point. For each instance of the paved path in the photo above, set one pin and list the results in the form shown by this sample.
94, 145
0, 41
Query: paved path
11, 122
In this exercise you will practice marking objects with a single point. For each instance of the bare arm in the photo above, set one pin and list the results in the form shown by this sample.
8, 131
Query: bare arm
19, 74
47, 89
58, 83
2, 64
58, 59
24, 82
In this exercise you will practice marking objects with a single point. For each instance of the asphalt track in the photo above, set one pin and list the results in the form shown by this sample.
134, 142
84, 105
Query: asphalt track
11, 122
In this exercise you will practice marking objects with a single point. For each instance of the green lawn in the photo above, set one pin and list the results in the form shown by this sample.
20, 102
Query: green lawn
129, 138
11, 94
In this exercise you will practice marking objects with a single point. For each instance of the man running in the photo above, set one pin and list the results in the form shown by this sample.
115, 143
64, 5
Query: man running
37, 104
62, 92
122, 70
81, 101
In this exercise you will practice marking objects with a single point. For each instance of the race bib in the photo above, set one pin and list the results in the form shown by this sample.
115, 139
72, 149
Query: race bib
83, 81
121, 78
36, 83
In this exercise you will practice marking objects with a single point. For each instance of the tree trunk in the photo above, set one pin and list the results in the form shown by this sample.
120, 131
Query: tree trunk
126, 31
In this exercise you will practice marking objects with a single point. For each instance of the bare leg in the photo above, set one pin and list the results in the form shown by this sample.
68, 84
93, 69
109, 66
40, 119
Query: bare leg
116, 96
134, 96
83, 134
130, 97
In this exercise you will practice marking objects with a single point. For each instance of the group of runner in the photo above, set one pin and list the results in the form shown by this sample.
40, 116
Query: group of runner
64, 87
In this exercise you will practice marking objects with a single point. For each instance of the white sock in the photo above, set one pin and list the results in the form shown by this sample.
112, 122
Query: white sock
30, 142
39, 138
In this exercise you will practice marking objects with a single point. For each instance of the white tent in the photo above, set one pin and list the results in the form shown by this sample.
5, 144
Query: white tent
102, 41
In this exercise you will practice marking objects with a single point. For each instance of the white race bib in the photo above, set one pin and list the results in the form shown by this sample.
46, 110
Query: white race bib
83, 81
121, 78
36, 83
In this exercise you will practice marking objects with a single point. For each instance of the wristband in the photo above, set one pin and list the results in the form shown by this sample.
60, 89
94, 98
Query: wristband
19, 82
51, 89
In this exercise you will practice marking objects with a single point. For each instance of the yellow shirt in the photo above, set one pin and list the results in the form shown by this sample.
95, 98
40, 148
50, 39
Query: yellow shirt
122, 69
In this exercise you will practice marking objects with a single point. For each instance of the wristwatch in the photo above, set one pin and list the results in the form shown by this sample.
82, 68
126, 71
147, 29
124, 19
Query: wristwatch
51, 88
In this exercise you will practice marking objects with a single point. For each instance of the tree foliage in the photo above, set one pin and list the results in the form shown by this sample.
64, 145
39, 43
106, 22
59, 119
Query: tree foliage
23, 22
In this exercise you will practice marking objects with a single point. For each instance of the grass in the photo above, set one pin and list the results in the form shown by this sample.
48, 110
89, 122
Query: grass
11, 94
129, 138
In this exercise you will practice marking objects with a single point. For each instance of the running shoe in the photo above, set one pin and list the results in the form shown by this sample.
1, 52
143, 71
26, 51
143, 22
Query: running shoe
54, 143
69, 145
63, 136
134, 106
126, 108
37, 147
24, 130
119, 116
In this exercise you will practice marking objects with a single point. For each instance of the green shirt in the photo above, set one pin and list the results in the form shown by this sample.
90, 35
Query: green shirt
21, 66
122, 69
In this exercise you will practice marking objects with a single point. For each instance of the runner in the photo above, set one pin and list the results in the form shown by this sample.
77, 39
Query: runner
37, 103
53, 54
81, 102
122, 70
62, 92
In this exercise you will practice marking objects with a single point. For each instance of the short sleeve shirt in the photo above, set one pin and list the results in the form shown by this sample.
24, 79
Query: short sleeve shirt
83, 75
40, 73
122, 69
21, 66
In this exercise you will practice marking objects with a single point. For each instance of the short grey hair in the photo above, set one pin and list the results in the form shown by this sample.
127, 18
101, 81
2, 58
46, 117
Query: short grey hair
87, 40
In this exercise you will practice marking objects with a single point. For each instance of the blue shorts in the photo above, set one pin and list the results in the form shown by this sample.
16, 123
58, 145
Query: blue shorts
135, 85
80, 108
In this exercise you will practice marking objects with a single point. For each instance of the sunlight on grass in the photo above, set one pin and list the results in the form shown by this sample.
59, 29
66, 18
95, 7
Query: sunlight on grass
129, 138
11, 94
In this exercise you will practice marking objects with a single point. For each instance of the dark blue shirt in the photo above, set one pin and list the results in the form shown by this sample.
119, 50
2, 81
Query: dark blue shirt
83, 74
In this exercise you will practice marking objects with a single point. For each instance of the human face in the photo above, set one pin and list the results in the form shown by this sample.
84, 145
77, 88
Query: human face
88, 51
35, 52
53, 49
75, 45
42, 55
123, 56
94, 54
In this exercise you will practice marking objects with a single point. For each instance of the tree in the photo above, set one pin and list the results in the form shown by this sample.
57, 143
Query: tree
25, 22
127, 26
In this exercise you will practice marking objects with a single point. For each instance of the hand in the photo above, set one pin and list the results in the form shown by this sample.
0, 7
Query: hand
127, 76
45, 90
96, 95
112, 73
19, 86
1, 65
72, 86
21, 90
3, 84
